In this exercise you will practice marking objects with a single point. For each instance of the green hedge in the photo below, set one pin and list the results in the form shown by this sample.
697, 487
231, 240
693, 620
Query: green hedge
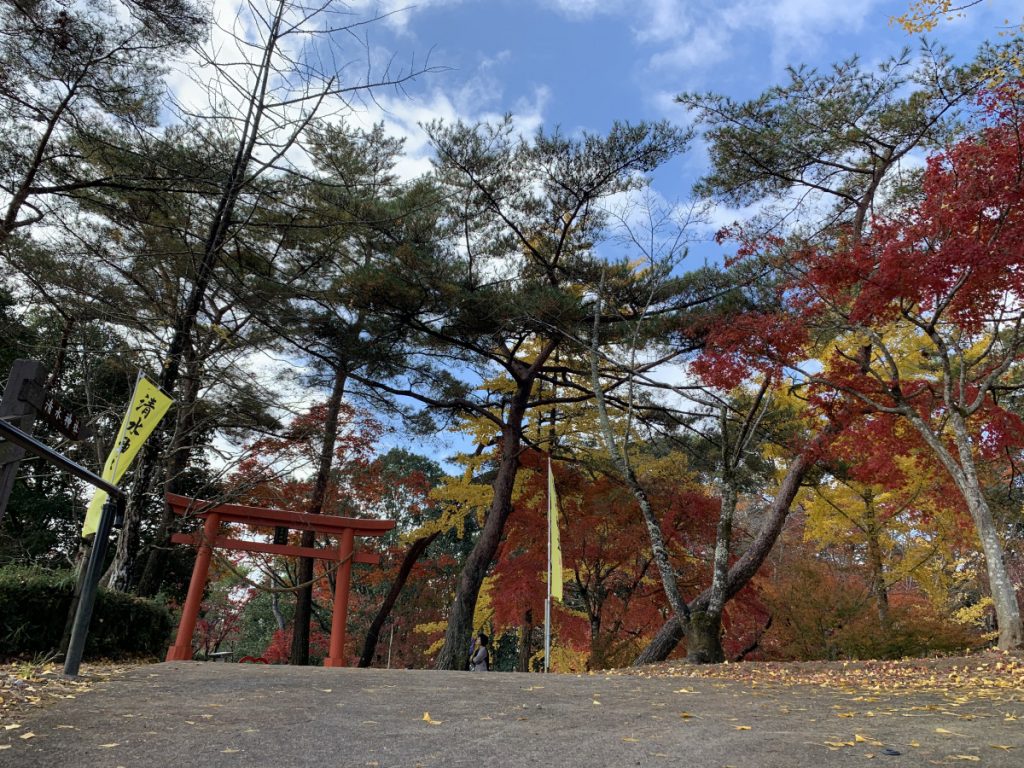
34, 605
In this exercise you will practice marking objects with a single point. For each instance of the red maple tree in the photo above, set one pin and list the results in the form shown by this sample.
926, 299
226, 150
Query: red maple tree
919, 322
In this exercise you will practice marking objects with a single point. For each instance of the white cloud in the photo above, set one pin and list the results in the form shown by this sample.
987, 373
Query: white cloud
798, 25
396, 14
687, 35
707, 45
583, 9
663, 20
478, 100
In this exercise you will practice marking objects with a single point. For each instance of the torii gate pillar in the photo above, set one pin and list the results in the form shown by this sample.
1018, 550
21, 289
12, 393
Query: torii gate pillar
345, 529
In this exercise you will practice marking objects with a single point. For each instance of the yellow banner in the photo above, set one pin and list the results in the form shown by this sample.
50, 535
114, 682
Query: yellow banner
554, 544
148, 405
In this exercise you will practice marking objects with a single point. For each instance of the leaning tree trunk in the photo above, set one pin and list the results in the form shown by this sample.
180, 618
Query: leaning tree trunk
620, 459
373, 633
454, 653
743, 570
1004, 596
964, 474
304, 596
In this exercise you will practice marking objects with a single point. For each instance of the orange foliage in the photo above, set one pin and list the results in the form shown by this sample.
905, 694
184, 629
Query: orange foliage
821, 610
613, 600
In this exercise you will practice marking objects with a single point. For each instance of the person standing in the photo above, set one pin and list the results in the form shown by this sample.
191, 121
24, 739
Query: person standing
479, 659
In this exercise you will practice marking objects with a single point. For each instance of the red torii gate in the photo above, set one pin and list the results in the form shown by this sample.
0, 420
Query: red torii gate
345, 529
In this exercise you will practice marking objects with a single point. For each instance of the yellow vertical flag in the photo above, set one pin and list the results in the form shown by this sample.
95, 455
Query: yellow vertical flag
148, 405
554, 545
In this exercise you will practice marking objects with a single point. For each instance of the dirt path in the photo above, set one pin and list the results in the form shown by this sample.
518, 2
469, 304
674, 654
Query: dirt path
747, 716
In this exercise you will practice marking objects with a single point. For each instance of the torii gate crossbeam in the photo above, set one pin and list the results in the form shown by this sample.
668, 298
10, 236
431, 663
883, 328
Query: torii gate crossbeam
345, 529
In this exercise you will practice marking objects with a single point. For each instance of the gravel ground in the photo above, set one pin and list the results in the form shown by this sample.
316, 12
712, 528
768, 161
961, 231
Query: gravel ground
910, 713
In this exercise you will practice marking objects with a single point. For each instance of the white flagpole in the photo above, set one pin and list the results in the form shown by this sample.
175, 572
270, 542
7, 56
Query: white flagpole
547, 602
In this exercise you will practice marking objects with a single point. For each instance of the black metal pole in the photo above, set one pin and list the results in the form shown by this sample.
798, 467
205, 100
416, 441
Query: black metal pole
112, 509
90, 584
29, 443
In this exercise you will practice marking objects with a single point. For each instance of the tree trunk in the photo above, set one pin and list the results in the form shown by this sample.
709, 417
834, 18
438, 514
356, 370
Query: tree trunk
525, 642
1004, 596
213, 245
704, 638
179, 452
455, 651
877, 569
620, 459
275, 608
373, 633
704, 635
304, 596
598, 652
964, 474
743, 570
21, 194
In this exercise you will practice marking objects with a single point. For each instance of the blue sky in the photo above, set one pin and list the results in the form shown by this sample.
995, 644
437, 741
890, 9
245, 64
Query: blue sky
581, 64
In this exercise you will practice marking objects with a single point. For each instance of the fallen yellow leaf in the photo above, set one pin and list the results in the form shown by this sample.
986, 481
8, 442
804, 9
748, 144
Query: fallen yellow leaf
429, 719
12, 726
972, 758
5, 746
108, 746
1000, 746
229, 751
866, 740
630, 739
28, 735
742, 727
685, 715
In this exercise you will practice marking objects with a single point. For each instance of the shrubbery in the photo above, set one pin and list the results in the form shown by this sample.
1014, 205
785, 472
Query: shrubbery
34, 605
821, 612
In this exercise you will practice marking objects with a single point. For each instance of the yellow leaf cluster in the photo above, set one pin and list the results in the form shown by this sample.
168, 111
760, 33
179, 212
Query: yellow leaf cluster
974, 615
428, 629
924, 16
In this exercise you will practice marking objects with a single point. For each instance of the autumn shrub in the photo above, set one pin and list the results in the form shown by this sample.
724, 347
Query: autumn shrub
34, 607
823, 612
280, 647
